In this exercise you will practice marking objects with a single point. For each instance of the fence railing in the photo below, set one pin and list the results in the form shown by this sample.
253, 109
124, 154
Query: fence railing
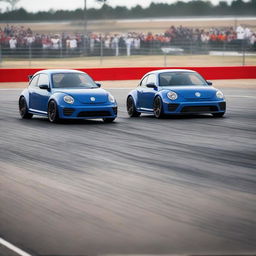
235, 48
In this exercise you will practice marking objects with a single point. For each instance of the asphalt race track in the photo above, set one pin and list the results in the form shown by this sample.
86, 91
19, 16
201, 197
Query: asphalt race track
184, 185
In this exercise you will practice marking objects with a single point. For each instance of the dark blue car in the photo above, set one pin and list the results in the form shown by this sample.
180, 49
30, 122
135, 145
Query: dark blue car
175, 91
66, 94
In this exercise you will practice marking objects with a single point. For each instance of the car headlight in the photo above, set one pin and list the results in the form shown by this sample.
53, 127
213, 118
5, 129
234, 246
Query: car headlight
219, 95
111, 98
172, 95
68, 99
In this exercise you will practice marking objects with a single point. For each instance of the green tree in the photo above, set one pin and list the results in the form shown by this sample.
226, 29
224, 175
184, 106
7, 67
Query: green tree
238, 6
11, 2
102, 1
179, 8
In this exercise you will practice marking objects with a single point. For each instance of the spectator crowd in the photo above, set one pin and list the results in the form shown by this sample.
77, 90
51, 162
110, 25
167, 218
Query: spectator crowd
18, 37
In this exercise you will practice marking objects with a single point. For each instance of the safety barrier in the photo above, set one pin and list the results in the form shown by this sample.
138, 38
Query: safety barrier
133, 73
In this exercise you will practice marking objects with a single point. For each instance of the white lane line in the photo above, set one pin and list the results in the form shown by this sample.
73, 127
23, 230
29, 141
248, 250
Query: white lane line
13, 248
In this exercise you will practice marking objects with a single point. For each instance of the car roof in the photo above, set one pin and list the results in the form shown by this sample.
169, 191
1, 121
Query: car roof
56, 71
169, 70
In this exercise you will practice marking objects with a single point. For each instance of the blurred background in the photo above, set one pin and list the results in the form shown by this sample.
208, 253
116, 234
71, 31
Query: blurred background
111, 33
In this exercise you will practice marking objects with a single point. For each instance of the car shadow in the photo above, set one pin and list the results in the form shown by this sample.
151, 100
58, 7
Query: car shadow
182, 117
44, 120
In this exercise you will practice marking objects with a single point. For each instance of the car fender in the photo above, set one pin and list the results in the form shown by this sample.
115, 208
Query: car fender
58, 97
25, 94
161, 94
134, 95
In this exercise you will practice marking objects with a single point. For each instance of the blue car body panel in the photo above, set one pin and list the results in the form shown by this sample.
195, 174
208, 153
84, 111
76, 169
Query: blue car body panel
187, 101
37, 100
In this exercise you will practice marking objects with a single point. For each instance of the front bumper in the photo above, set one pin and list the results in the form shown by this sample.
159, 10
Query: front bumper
194, 107
91, 111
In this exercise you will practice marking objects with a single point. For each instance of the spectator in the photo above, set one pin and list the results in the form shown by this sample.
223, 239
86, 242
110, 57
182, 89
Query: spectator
55, 42
46, 42
20, 37
73, 43
253, 41
30, 40
128, 42
115, 44
240, 33
205, 37
13, 43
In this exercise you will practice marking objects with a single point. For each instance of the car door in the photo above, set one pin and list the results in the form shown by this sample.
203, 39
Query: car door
148, 94
42, 95
32, 92
140, 91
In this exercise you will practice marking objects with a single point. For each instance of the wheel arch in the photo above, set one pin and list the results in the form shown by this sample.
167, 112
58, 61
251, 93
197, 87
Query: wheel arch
25, 94
158, 94
56, 97
134, 96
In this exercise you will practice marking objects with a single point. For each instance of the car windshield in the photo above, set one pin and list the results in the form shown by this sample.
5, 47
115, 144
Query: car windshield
181, 79
72, 80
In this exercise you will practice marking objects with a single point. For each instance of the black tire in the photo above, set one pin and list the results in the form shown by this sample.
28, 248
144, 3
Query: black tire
53, 114
23, 108
131, 109
218, 114
158, 107
108, 120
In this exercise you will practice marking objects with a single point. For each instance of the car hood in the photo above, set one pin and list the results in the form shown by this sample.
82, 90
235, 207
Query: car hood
193, 92
86, 96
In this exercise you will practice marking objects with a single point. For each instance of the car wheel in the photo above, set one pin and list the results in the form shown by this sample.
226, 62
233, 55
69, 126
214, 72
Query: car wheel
53, 114
158, 107
108, 120
23, 108
131, 109
218, 114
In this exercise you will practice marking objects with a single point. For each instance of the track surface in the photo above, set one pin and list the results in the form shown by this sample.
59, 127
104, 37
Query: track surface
177, 185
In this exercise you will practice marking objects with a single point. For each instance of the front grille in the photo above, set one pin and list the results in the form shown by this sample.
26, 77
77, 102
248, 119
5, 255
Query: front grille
172, 107
68, 111
93, 113
195, 109
222, 106
115, 110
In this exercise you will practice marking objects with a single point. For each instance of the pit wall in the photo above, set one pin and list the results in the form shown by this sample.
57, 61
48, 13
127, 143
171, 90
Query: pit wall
135, 73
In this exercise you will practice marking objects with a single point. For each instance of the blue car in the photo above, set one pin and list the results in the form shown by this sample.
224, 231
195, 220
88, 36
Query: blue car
66, 94
175, 91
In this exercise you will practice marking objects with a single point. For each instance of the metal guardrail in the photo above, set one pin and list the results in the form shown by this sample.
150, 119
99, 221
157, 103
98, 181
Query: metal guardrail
189, 48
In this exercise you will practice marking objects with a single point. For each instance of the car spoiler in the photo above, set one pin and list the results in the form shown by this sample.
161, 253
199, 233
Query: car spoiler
30, 77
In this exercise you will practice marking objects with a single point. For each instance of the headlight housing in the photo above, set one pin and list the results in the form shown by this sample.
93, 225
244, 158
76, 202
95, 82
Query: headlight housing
68, 99
172, 95
111, 98
219, 94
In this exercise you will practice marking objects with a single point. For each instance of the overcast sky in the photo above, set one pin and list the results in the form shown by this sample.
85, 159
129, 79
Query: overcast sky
45, 5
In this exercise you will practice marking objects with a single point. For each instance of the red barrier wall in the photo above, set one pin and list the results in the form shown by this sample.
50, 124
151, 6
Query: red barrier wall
133, 73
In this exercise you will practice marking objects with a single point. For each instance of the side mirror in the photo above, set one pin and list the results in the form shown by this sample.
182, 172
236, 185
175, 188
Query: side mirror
98, 84
30, 77
209, 82
151, 85
44, 86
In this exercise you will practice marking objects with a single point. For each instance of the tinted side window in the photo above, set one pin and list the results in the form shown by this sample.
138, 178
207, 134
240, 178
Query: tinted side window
43, 79
33, 82
144, 81
151, 79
